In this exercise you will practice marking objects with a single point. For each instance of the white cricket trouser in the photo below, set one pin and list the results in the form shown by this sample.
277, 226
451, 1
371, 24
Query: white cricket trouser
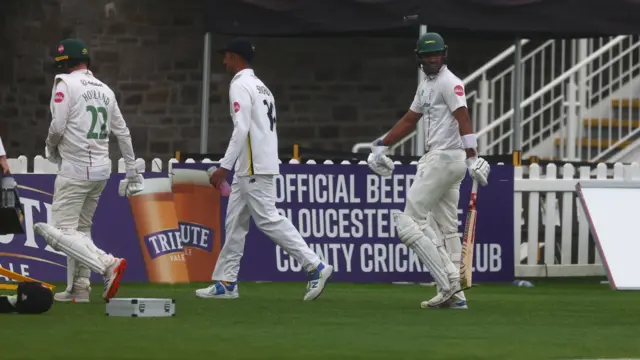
432, 200
253, 196
74, 204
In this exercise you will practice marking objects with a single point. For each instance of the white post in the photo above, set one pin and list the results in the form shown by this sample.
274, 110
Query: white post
420, 140
582, 90
206, 83
483, 94
572, 119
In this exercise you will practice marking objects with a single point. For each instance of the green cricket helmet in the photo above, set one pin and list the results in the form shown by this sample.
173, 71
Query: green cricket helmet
430, 43
69, 53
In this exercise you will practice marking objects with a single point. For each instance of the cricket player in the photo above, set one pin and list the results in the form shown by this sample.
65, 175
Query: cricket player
253, 149
84, 112
450, 149
4, 166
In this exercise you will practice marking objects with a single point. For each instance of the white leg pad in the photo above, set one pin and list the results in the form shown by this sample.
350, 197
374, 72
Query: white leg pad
426, 250
76, 246
454, 247
71, 273
430, 233
83, 273
453, 244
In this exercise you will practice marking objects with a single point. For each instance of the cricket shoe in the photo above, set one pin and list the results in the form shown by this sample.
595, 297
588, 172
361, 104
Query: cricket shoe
112, 278
78, 294
218, 290
456, 302
318, 278
453, 303
442, 296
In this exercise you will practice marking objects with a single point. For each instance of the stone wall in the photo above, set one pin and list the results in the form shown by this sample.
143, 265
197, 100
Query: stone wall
330, 93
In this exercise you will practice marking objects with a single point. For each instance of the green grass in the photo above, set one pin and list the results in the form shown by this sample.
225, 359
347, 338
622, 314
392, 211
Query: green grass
554, 320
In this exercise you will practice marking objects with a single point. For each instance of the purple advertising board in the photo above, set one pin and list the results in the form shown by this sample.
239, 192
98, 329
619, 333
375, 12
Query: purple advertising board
343, 211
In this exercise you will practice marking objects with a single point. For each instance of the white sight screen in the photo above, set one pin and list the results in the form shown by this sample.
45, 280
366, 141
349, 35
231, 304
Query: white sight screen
615, 223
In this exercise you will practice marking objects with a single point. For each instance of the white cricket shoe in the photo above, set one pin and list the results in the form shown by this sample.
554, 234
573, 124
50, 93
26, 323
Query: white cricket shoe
456, 302
317, 281
112, 278
443, 296
218, 290
78, 294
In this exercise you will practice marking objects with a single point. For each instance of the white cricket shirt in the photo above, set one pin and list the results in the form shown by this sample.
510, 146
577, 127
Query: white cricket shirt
2, 152
84, 112
437, 98
254, 143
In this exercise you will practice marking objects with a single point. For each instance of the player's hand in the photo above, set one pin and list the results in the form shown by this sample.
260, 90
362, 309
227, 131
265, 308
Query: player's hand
380, 163
218, 176
479, 170
52, 154
4, 166
131, 185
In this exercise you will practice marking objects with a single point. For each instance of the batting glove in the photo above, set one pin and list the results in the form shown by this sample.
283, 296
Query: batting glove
479, 170
52, 154
380, 163
131, 185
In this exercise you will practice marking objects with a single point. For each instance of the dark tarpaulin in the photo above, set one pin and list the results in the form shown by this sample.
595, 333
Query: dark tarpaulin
533, 18
312, 17
491, 19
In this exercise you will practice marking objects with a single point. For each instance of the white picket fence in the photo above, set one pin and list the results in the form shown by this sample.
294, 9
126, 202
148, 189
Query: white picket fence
552, 237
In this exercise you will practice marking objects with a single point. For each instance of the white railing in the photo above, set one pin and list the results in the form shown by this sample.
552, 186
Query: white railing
558, 111
478, 105
551, 237
563, 245
618, 124
567, 111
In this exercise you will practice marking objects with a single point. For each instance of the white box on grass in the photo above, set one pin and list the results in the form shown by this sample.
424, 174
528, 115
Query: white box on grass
141, 307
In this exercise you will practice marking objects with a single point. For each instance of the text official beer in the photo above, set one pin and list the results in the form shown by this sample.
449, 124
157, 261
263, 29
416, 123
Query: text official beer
158, 232
197, 206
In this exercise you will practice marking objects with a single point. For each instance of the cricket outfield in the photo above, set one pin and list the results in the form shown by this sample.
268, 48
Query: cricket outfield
557, 319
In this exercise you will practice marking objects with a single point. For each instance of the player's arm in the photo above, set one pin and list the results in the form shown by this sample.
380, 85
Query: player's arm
59, 114
4, 167
406, 124
121, 132
402, 128
240, 100
456, 100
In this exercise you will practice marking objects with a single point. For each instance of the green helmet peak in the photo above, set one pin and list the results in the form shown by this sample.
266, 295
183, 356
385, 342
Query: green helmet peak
430, 42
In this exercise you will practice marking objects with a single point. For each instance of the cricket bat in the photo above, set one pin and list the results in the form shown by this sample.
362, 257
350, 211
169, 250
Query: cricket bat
468, 240
15, 276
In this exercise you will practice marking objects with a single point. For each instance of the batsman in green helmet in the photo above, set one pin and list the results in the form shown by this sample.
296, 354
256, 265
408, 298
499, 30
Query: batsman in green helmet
429, 223
84, 112
431, 53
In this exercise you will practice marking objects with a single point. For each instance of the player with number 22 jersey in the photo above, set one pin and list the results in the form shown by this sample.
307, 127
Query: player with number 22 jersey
84, 112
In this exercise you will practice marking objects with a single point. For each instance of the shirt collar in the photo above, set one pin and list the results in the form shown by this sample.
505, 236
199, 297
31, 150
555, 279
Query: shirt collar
442, 69
247, 71
83, 71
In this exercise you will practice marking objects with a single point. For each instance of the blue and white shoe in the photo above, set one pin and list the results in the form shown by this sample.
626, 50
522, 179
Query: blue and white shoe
317, 281
219, 291
456, 303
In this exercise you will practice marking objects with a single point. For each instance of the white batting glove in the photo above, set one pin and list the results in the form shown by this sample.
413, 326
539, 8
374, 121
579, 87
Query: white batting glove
380, 163
479, 170
51, 153
131, 185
